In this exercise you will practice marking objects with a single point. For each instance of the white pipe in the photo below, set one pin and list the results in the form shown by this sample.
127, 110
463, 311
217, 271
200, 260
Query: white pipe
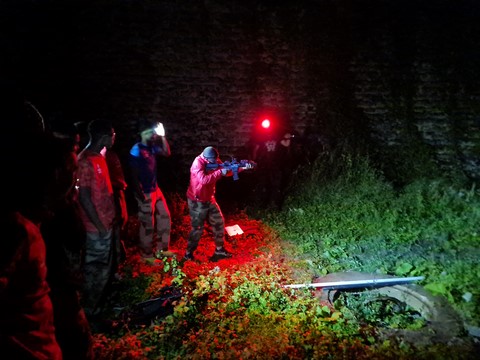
357, 283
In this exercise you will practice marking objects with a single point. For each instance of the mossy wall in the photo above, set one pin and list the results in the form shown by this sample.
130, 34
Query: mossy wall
399, 76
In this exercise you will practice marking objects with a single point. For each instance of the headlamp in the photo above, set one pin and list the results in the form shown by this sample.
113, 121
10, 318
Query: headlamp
159, 129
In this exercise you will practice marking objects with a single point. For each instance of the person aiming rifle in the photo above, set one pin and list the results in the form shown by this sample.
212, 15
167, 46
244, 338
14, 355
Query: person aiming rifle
202, 204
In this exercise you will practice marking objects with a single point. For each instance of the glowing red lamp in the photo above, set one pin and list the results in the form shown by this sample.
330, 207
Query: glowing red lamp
266, 123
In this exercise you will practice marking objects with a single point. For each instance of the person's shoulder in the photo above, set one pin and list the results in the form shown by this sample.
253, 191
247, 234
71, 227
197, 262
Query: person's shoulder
111, 155
135, 149
81, 155
87, 155
200, 159
198, 162
29, 226
84, 154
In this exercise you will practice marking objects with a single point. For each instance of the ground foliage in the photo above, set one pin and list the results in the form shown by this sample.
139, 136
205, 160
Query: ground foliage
359, 222
343, 216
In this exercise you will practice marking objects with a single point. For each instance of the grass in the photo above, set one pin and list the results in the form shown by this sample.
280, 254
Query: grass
359, 222
341, 216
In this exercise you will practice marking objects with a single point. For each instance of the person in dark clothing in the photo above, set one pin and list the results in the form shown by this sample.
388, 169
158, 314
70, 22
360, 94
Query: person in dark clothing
64, 234
27, 328
50, 202
275, 156
153, 212
268, 157
288, 155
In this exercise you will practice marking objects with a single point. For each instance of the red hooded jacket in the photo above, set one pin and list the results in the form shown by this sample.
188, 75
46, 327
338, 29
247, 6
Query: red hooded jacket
202, 182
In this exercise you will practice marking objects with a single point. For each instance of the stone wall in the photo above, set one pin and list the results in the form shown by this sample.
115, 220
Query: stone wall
403, 76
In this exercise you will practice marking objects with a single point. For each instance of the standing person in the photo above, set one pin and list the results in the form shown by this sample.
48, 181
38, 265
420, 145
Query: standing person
287, 155
70, 133
80, 135
268, 155
202, 204
26, 313
153, 212
119, 185
64, 234
98, 214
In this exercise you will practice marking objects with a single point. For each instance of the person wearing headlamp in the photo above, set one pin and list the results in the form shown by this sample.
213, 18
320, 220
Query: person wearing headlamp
153, 212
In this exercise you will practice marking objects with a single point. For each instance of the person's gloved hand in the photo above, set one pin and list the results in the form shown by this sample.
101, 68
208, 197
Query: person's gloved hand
248, 166
224, 172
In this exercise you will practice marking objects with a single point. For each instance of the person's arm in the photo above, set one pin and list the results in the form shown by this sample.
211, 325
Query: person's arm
162, 145
198, 170
122, 203
85, 199
115, 169
117, 178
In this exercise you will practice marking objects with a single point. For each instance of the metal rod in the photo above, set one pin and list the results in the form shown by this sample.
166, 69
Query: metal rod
357, 283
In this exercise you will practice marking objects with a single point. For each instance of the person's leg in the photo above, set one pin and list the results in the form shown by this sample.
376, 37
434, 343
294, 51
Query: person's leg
121, 218
216, 220
118, 250
275, 194
98, 267
198, 214
261, 191
162, 221
71, 325
145, 217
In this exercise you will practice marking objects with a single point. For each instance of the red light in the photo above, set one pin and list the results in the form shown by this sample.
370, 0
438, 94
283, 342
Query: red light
266, 124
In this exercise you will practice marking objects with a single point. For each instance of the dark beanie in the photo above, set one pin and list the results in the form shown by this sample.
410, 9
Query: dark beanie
210, 152
145, 124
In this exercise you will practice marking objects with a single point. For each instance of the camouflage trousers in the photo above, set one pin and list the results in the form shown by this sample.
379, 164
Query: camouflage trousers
98, 270
199, 213
154, 218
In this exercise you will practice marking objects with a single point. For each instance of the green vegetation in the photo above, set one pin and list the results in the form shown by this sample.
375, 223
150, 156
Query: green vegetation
342, 216
356, 221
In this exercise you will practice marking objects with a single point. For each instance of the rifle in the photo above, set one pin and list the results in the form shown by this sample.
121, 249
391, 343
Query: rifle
233, 165
143, 313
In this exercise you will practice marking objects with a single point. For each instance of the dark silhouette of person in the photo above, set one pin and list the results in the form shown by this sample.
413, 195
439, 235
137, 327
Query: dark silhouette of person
64, 234
268, 155
27, 328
